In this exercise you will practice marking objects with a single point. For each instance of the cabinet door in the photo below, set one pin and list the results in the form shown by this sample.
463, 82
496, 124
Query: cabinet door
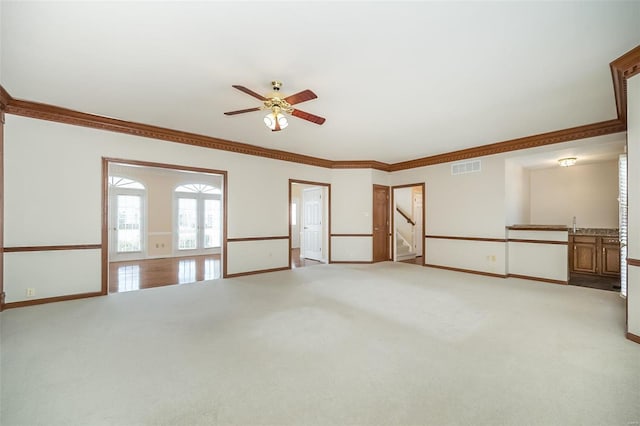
610, 260
584, 257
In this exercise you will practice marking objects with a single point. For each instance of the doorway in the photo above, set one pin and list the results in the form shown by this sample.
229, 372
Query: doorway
408, 223
309, 223
380, 223
162, 225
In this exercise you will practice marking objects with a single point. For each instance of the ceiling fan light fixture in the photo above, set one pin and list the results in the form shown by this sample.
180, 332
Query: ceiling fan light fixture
277, 105
270, 120
567, 162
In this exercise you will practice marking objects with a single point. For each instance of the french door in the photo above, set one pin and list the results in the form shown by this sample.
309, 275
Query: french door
198, 223
127, 225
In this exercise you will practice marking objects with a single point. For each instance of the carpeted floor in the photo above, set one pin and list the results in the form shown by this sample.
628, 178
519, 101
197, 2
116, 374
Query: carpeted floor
383, 344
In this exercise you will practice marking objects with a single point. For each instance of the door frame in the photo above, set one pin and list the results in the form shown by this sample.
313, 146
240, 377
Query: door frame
290, 199
106, 161
424, 224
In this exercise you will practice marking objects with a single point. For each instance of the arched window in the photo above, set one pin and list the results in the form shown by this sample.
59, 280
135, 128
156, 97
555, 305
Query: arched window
126, 215
198, 217
198, 188
121, 182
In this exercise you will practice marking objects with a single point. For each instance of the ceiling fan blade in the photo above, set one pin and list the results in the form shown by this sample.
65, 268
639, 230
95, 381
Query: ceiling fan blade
249, 92
306, 116
242, 111
305, 95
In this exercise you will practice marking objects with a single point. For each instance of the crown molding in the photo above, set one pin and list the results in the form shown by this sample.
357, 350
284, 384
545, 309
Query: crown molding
5, 98
361, 164
622, 68
629, 63
580, 132
76, 118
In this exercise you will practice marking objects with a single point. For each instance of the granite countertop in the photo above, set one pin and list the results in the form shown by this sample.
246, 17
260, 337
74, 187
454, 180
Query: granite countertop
600, 232
538, 227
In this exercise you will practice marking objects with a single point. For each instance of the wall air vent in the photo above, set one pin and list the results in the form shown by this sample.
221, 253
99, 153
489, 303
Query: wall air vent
464, 167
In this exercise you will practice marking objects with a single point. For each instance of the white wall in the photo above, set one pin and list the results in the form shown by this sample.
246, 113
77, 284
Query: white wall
351, 208
633, 164
517, 184
589, 192
540, 259
468, 205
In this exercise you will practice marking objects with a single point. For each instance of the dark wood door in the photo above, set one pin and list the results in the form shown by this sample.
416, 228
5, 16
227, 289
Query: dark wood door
380, 223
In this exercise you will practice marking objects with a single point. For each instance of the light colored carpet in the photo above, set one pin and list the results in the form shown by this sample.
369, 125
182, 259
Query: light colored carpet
379, 344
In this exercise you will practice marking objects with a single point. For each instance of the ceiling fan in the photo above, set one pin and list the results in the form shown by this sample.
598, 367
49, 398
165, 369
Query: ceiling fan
277, 104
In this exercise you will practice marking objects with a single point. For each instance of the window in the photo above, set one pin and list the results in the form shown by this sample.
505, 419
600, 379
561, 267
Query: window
120, 182
623, 217
199, 188
199, 212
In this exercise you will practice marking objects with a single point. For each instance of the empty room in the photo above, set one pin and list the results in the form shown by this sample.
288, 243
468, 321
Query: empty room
319, 213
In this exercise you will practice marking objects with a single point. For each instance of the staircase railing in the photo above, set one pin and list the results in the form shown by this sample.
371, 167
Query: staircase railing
406, 216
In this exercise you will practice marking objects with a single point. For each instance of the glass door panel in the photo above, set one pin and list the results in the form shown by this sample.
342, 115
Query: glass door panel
129, 224
211, 223
187, 223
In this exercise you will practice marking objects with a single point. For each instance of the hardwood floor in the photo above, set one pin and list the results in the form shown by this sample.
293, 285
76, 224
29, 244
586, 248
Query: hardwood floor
139, 274
299, 262
417, 261
595, 281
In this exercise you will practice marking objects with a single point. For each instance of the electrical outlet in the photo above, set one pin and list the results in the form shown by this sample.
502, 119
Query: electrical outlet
31, 292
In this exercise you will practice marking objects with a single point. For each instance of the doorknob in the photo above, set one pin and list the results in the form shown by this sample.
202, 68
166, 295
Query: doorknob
375, 229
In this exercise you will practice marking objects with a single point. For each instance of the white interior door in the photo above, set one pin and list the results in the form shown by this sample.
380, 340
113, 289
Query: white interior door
312, 223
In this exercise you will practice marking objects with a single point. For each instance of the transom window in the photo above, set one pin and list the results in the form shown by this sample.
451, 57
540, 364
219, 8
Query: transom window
121, 182
198, 188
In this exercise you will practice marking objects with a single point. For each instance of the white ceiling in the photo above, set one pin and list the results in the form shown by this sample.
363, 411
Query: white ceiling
395, 80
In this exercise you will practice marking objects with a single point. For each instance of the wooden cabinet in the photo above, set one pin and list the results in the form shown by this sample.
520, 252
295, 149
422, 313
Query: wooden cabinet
585, 257
594, 255
610, 261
